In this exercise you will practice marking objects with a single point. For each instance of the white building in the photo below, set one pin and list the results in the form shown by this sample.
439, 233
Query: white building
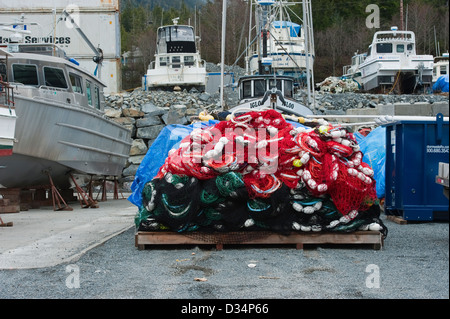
43, 21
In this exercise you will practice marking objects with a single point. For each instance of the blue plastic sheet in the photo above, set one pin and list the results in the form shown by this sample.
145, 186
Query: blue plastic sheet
294, 28
373, 146
441, 84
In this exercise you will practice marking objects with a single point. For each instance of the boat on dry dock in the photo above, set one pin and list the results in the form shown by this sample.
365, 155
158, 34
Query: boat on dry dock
441, 66
61, 126
177, 60
393, 64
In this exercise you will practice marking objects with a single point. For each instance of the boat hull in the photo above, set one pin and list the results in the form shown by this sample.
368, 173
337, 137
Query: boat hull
7, 128
59, 138
387, 71
167, 77
288, 107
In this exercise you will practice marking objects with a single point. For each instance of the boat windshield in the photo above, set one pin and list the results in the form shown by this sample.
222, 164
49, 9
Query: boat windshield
176, 39
179, 33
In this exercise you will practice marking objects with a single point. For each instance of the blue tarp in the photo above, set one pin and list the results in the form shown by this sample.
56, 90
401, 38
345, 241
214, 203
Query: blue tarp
294, 28
373, 146
441, 84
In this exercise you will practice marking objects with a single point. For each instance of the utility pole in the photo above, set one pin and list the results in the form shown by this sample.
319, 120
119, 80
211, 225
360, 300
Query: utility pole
401, 16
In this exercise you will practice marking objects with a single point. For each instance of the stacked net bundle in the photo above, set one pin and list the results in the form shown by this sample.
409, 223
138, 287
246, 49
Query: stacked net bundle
259, 172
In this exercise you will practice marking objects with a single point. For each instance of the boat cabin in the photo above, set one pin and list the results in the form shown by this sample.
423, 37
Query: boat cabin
441, 66
393, 42
255, 86
174, 43
45, 75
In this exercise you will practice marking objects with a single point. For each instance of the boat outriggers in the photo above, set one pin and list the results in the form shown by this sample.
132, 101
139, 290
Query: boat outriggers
268, 86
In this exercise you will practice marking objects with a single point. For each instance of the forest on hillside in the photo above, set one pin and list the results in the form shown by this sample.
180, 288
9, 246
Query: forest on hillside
339, 29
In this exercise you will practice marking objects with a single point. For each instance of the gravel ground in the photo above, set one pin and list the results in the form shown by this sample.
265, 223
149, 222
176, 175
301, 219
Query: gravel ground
413, 264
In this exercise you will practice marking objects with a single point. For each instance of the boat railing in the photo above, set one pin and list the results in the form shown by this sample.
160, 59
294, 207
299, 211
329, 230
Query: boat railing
345, 69
6, 94
45, 87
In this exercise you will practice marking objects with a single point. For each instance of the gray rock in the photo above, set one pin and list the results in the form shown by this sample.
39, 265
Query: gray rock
138, 147
113, 113
148, 121
130, 170
149, 132
204, 96
152, 110
136, 159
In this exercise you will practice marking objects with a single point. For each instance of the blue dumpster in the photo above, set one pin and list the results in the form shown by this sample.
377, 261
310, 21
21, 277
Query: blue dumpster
413, 152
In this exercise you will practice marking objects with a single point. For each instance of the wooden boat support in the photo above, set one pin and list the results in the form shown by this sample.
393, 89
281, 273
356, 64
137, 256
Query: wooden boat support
143, 239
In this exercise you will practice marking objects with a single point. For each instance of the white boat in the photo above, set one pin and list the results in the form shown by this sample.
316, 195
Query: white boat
177, 60
285, 42
393, 64
441, 66
7, 110
61, 126
257, 92
352, 71
269, 87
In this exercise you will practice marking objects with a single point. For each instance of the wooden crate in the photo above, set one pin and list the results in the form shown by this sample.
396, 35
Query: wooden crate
10, 201
143, 239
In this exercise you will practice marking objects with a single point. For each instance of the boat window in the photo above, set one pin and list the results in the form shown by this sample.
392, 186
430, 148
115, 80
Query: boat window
384, 47
89, 92
25, 74
409, 47
247, 89
97, 97
180, 33
189, 60
54, 77
163, 61
443, 70
76, 82
175, 62
288, 88
400, 48
260, 87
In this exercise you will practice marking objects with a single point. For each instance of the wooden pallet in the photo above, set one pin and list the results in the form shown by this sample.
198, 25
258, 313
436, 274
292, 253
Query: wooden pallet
396, 219
143, 239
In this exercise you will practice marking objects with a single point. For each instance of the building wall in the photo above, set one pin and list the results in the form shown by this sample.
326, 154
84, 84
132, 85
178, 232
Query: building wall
98, 19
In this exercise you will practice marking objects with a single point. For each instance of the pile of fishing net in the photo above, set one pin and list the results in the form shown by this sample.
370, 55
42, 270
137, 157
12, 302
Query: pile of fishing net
257, 171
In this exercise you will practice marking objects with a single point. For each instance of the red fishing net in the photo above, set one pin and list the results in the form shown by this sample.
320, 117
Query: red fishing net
270, 152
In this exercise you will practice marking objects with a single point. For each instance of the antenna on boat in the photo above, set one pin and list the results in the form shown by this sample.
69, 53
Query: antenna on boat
222, 53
